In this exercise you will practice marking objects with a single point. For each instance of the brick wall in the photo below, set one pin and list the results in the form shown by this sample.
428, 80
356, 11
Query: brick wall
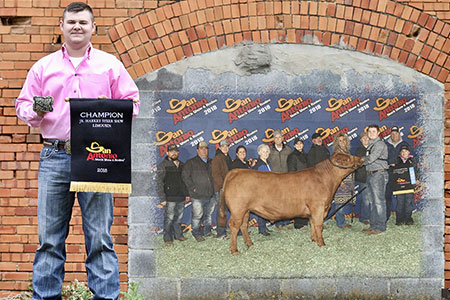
147, 35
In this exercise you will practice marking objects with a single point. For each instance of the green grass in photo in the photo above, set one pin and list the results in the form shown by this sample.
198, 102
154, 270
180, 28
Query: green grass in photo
292, 254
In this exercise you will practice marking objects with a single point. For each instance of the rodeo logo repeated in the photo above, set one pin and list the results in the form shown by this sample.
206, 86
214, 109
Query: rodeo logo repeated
186, 120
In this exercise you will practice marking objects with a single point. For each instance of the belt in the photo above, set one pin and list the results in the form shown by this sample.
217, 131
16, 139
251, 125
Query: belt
58, 144
376, 171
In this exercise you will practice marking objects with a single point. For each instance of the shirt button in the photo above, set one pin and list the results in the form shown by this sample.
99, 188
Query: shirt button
76, 74
74, 92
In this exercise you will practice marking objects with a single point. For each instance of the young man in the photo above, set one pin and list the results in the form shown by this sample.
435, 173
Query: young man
77, 70
172, 193
377, 177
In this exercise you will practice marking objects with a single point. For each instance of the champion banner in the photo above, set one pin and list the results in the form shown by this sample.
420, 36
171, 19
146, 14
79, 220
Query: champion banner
100, 145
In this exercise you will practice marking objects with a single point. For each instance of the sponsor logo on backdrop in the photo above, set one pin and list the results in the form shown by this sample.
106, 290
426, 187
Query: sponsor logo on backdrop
156, 106
96, 152
340, 107
386, 107
233, 136
239, 108
385, 132
416, 135
179, 137
290, 108
328, 134
184, 109
288, 134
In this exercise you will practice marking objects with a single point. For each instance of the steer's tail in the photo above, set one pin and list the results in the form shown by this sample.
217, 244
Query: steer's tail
222, 209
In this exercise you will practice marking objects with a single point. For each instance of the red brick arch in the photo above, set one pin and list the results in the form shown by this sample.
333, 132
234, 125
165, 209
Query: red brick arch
385, 28
382, 28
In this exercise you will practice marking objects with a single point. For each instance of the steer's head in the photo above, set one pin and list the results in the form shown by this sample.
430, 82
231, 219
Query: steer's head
346, 161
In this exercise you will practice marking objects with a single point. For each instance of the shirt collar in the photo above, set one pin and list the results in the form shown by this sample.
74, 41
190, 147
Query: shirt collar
86, 54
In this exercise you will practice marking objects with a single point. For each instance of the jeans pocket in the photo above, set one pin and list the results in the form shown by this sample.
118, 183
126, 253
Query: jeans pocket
47, 152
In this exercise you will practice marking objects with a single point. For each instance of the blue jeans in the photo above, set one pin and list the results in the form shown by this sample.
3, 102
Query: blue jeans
340, 215
364, 213
202, 210
282, 223
173, 214
262, 224
377, 187
55, 203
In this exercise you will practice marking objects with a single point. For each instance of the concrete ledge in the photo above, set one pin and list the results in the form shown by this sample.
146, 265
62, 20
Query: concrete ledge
287, 289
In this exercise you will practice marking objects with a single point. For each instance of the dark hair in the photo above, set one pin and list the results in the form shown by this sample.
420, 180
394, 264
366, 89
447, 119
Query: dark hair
240, 147
373, 126
78, 7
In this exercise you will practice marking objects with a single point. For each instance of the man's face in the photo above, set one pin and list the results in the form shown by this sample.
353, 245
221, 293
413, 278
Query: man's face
317, 141
202, 152
372, 132
278, 139
395, 136
173, 155
77, 28
224, 149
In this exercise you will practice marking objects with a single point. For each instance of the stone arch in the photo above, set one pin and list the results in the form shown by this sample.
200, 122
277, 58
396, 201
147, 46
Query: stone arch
171, 33
182, 29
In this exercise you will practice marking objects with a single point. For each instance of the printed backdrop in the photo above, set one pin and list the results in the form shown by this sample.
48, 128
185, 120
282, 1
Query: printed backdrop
250, 119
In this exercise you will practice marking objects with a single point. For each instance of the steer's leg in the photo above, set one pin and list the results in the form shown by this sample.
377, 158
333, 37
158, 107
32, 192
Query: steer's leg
313, 230
234, 223
317, 227
244, 230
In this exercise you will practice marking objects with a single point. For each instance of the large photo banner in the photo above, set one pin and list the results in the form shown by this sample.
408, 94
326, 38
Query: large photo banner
100, 145
250, 120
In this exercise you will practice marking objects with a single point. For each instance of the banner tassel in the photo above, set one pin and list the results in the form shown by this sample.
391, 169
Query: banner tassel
100, 187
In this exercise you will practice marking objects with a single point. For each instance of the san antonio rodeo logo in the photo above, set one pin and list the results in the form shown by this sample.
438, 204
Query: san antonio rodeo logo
96, 152
179, 137
184, 109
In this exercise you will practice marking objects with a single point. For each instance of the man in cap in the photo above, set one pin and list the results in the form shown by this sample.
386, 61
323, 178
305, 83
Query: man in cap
197, 176
221, 164
172, 193
318, 151
394, 144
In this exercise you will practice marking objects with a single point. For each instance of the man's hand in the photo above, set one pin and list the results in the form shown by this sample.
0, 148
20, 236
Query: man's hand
102, 97
163, 203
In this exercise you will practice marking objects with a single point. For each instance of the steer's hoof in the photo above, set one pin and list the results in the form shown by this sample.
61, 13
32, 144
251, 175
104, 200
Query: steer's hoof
249, 246
235, 253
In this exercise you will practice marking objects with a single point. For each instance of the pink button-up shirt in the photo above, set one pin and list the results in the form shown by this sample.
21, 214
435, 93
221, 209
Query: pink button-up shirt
54, 75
